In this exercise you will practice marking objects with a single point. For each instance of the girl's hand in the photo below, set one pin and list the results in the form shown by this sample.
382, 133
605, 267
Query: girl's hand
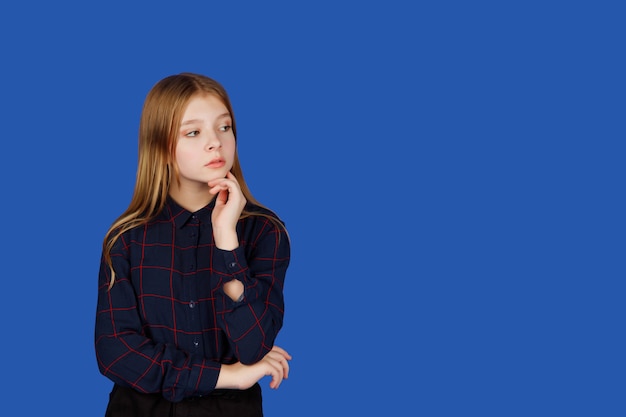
279, 359
229, 203
238, 376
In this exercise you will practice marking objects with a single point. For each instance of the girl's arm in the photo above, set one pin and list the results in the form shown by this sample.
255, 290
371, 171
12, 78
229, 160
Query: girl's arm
250, 260
259, 264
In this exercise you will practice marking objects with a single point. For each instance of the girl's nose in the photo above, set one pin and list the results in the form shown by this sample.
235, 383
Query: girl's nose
213, 144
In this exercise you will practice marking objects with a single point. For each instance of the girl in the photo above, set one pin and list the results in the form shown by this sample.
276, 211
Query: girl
190, 293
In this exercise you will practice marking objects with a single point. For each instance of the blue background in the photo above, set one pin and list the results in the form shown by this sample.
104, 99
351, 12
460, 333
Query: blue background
451, 173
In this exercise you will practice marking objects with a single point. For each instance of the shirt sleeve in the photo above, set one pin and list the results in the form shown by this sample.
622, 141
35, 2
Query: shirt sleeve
128, 357
252, 324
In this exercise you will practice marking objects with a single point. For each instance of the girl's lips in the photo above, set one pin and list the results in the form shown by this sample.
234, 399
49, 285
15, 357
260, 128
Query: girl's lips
216, 163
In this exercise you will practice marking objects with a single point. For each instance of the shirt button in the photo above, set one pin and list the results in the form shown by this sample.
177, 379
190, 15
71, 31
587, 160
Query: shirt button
196, 343
192, 304
233, 264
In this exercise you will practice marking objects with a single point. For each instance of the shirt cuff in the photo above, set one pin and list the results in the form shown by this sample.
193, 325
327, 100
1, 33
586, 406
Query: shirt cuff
232, 265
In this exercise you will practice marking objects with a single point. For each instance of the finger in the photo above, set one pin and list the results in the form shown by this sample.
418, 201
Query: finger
222, 197
233, 180
217, 188
285, 369
281, 361
282, 352
217, 181
277, 374
278, 356
282, 358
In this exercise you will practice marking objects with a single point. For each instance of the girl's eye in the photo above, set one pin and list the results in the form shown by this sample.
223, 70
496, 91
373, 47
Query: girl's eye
192, 133
224, 128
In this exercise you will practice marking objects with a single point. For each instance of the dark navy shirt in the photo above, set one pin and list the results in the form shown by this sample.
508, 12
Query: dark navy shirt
166, 326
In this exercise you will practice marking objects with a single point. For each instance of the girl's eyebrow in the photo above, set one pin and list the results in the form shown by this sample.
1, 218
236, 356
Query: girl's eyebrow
192, 121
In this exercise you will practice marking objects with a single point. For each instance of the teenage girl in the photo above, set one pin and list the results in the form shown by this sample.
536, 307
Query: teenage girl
190, 293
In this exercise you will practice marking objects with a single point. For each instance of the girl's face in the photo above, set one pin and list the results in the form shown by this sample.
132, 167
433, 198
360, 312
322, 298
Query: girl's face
205, 149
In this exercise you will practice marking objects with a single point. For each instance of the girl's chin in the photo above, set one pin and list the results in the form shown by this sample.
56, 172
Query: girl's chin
215, 177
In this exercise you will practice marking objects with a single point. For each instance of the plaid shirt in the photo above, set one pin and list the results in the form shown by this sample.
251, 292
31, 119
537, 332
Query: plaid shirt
166, 326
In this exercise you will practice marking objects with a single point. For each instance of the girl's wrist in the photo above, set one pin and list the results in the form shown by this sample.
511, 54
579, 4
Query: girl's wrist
226, 240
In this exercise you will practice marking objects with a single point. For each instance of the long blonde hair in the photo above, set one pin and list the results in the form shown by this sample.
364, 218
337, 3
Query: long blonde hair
158, 131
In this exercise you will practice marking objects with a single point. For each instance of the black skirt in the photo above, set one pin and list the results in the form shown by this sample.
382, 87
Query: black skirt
127, 402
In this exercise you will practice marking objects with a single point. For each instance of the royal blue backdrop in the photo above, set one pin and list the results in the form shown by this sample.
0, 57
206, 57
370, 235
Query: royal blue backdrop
451, 173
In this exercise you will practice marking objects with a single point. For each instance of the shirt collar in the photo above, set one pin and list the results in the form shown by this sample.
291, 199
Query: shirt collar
181, 216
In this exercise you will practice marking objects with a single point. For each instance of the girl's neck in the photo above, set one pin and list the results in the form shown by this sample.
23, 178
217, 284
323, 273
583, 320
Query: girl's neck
191, 199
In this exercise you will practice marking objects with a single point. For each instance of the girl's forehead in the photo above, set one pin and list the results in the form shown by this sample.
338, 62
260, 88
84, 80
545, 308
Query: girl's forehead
203, 107
204, 100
